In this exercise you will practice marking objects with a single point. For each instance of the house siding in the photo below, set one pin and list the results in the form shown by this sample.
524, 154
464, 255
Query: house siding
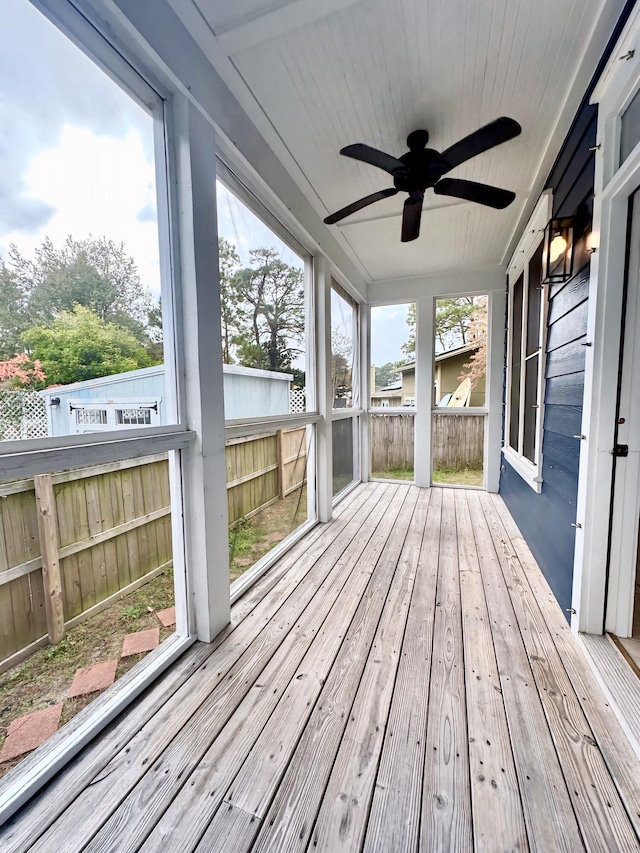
546, 519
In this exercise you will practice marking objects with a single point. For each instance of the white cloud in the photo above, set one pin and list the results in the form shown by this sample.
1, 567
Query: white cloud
97, 185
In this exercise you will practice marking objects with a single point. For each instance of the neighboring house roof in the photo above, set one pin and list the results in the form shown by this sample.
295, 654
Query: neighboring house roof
443, 356
452, 353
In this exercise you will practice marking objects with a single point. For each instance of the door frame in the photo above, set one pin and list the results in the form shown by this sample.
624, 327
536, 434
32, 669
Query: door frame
625, 507
614, 185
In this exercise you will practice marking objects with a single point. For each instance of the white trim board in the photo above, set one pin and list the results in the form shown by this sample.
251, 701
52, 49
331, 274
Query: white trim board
610, 215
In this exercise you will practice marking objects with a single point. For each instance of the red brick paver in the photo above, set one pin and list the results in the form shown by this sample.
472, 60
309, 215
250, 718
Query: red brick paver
167, 617
88, 679
141, 641
27, 732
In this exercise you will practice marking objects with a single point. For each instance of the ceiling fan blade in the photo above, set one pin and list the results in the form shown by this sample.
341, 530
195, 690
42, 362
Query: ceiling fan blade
411, 217
373, 157
358, 205
472, 191
494, 133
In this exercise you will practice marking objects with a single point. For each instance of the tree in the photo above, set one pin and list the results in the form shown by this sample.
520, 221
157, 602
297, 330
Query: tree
13, 318
81, 345
386, 374
409, 349
95, 273
229, 264
21, 372
341, 351
268, 326
453, 319
476, 367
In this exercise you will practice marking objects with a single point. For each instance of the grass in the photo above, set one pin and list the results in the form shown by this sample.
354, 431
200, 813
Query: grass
394, 474
458, 476
45, 677
447, 476
251, 538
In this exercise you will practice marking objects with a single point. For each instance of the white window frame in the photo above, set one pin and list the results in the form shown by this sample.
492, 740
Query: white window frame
531, 472
246, 192
27, 458
111, 407
353, 412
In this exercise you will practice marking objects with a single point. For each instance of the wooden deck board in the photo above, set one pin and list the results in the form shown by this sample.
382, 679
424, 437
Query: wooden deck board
402, 679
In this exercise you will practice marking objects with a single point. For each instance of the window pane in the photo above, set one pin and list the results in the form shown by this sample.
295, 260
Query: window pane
516, 356
392, 438
343, 337
393, 347
343, 455
530, 406
630, 128
124, 580
80, 313
460, 351
266, 492
457, 448
264, 315
534, 297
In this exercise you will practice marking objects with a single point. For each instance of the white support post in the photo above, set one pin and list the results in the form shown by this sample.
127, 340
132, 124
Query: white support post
365, 390
322, 292
425, 318
203, 464
494, 385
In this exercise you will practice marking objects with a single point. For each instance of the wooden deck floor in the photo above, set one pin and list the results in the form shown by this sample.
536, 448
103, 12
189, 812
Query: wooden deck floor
402, 680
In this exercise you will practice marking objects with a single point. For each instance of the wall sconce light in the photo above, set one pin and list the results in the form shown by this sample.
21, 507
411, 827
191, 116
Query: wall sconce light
54, 401
558, 250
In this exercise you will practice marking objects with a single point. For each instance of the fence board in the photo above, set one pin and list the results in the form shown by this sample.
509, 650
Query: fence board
392, 442
458, 441
96, 502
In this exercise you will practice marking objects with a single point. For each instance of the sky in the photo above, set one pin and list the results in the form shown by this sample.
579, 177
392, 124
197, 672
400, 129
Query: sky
389, 331
77, 159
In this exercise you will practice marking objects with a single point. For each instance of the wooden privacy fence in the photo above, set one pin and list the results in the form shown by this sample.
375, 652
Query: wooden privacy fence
74, 542
263, 469
71, 543
457, 441
392, 442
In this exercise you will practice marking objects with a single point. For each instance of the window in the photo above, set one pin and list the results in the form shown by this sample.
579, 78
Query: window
345, 388
265, 290
100, 415
392, 386
525, 369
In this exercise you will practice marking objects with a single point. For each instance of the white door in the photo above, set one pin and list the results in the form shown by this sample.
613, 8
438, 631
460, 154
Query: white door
626, 494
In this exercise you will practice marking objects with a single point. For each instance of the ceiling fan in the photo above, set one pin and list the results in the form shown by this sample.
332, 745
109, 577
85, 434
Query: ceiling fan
422, 167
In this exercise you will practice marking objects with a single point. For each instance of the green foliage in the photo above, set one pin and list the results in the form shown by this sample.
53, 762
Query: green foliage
80, 345
262, 309
386, 374
13, 319
134, 611
95, 273
453, 325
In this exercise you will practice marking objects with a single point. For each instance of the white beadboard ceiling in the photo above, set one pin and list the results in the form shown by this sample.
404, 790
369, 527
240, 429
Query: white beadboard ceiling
316, 75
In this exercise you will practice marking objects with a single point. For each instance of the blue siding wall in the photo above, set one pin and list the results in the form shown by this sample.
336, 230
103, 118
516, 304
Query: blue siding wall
546, 519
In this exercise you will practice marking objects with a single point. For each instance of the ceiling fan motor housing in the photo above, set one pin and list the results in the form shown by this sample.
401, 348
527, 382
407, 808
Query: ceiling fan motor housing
423, 168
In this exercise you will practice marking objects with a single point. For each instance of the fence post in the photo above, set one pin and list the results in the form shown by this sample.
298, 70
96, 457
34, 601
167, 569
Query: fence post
50, 546
280, 459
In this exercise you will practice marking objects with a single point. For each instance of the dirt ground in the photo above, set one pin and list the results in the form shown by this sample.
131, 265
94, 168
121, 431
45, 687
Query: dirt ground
45, 677
252, 538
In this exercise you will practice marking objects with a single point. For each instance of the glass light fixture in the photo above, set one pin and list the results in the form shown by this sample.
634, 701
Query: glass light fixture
558, 250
